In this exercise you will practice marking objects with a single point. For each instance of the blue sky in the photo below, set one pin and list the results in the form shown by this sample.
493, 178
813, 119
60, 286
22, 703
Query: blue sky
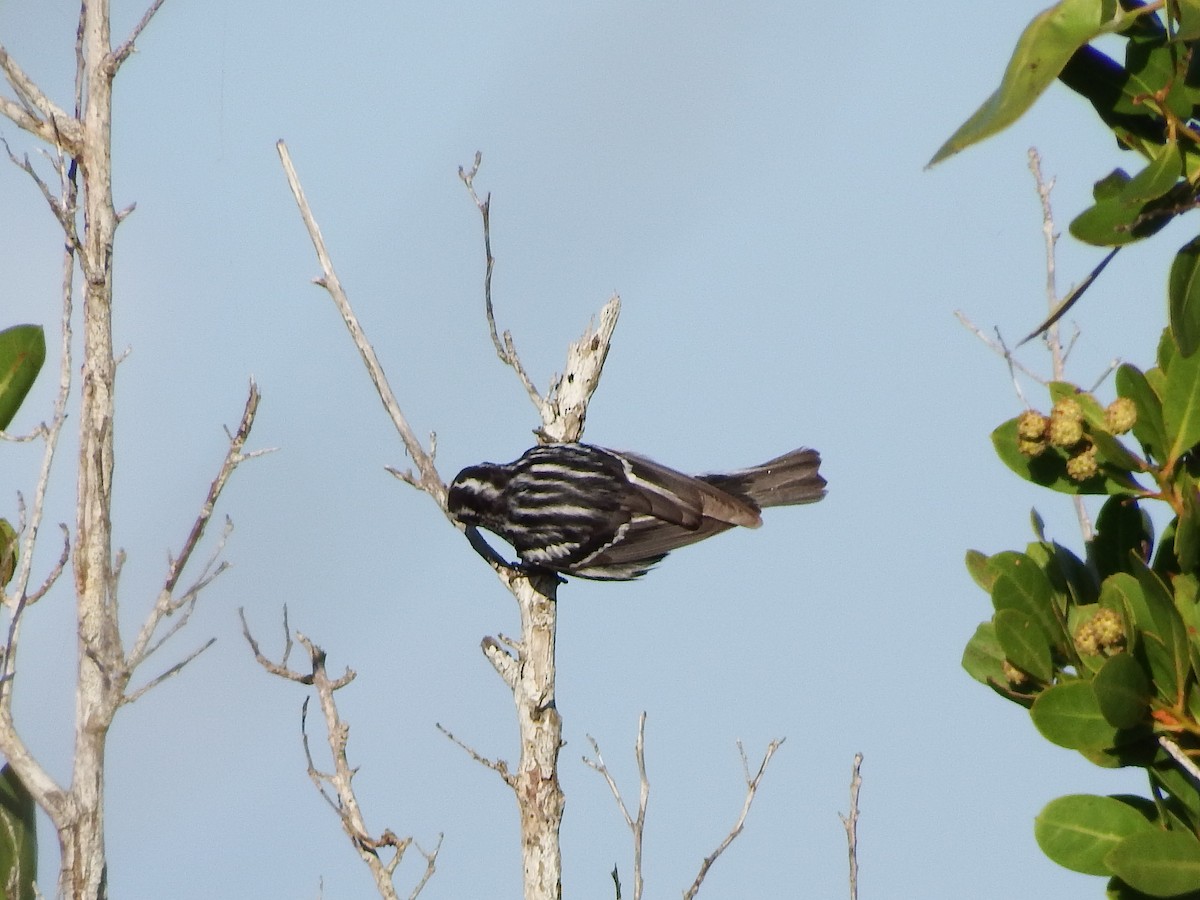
750, 181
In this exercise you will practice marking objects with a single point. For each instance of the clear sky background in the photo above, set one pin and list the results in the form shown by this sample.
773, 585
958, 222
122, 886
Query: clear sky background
749, 178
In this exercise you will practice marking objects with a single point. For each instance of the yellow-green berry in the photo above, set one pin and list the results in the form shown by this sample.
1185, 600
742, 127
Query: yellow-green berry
1083, 465
1086, 640
1031, 448
1068, 408
1121, 415
1032, 425
1013, 675
1109, 629
1066, 427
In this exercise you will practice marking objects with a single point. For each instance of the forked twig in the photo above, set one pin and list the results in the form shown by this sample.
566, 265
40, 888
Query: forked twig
637, 826
752, 784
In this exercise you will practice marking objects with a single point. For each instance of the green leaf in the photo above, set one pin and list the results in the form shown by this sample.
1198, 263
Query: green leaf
18, 835
1149, 428
1183, 297
1187, 530
8, 551
1069, 715
1113, 222
983, 659
1024, 643
981, 573
1156, 179
1181, 405
1163, 636
1122, 527
1042, 51
1078, 831
1021, 585
1122, 691
1188, 26
22, 352
1160, 863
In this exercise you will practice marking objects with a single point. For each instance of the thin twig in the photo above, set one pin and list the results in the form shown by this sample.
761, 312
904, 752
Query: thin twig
751, 789
168, 601
1053, 341
430, 481
1185, 762
122, 53
637, 827
505, 348
499, 766
850, 823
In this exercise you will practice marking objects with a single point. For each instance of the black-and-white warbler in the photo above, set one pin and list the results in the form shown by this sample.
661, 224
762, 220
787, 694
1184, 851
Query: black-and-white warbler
595, 513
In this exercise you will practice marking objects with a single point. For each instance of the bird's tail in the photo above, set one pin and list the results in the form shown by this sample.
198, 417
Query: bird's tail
787, 480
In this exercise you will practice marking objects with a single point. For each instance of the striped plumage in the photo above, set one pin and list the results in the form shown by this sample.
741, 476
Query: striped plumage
595, 513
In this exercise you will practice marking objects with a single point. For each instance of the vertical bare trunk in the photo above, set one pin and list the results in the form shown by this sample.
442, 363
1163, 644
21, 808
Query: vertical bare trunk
539, 796
100, 658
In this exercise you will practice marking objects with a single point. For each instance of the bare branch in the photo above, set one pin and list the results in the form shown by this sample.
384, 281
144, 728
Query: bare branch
566, 406
997, 346
122, 53
636, 826
174, 670
168, 602
343, 799
1053, 342
751, 789
1177, 753
430, 481
499, 766
850, 823
35, 112
505, 348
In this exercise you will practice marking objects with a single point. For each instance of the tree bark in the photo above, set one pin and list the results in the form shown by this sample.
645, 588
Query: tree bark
101, 661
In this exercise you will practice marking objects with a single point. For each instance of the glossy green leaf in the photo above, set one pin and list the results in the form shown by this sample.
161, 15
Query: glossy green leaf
1122, 527
1188, 24
1021, 585
1069, 715
1123, 691
1078, 831
1042, 51
983, 659
980, 571
1160, 863
1181, 405
18, 836
22, 352
1183, 297
1158, 177
1163, 636
1187, 528
1112, 222
1024, 642
8, 551
1149, 428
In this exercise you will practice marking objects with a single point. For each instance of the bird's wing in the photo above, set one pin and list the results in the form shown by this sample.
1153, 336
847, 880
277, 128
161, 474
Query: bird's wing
683, 500
647, 539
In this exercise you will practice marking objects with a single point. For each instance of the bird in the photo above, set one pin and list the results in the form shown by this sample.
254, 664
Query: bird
608, 515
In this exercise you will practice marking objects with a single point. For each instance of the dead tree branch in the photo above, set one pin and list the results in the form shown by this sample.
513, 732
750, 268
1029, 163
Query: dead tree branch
850, 823
428, 481
637, 826
336, 787
752, 784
